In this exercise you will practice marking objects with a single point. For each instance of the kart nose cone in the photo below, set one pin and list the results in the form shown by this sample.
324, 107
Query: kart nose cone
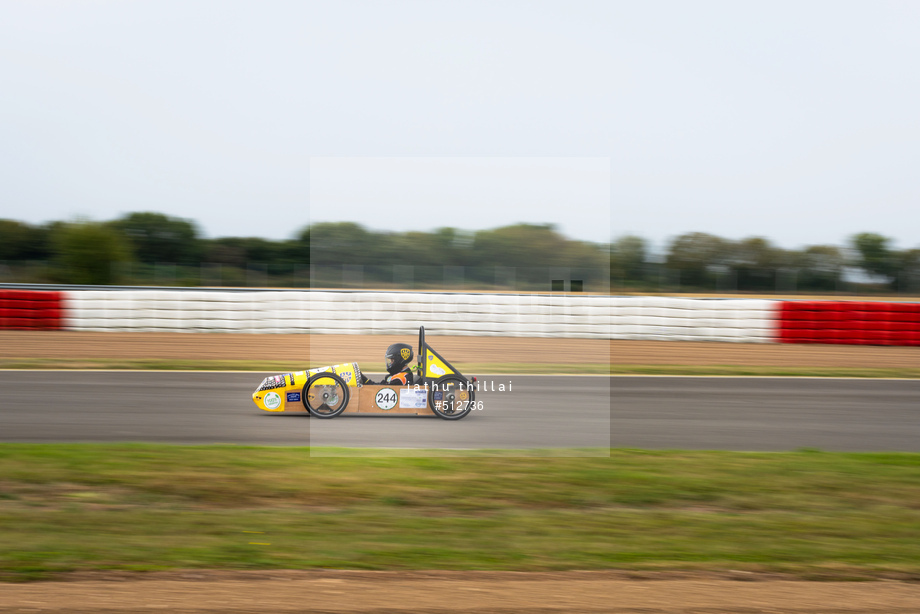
258, 397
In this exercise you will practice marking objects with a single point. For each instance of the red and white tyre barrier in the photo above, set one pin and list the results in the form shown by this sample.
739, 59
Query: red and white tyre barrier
510, 315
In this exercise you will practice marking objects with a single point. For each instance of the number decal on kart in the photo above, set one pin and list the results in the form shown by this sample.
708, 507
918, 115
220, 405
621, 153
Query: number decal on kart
385, 399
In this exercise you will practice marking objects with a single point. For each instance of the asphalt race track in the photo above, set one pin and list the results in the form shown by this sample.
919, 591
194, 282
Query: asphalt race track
539, 411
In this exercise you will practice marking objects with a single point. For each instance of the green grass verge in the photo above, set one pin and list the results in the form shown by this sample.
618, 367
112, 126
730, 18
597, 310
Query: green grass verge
144, 507
470, 368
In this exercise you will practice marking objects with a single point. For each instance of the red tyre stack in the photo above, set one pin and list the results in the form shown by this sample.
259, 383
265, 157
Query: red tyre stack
30, 310
793, 324
905, 320
4, 309
849, 322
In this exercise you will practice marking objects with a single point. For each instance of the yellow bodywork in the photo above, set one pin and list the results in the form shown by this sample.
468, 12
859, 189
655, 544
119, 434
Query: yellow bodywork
283, 392
434, 367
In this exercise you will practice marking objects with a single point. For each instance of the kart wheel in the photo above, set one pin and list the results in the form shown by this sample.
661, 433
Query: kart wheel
325, 395
451, 397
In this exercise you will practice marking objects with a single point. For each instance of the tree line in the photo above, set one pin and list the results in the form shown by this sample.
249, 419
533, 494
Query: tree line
699, 260
139, 247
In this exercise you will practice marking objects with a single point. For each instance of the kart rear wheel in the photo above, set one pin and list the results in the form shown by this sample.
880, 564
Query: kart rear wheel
325, 395
451, 397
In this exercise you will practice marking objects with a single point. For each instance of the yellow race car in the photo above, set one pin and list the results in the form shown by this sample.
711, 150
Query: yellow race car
327, 392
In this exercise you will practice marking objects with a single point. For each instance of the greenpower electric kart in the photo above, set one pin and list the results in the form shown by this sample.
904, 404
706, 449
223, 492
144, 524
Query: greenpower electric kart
328, 392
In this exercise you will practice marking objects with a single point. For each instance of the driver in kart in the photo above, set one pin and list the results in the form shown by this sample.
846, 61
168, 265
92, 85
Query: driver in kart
398, 356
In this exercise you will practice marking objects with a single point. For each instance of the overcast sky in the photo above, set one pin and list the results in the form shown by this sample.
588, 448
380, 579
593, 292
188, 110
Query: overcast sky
473, 193
793, 120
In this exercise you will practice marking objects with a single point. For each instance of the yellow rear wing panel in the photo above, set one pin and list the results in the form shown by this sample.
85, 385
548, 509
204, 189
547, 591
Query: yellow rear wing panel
433, 365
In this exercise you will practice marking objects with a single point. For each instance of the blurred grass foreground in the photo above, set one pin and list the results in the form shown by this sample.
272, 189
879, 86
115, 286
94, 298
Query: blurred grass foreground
147, 507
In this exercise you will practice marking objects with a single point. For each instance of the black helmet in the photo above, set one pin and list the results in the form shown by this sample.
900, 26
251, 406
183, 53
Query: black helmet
398, 356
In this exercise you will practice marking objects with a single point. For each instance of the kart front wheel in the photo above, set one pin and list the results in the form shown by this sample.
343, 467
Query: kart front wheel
451, 397
325, 395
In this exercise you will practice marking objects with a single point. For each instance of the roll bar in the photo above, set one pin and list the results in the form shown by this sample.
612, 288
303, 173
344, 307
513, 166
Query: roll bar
421, 350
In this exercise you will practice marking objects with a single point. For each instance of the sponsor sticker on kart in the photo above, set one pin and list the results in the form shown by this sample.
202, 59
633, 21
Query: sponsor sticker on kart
386, 399
412, 398
293, 397
272, 381
272, 400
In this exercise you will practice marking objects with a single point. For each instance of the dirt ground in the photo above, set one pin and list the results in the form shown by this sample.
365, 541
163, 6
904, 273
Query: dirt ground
325, 349
445, 592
